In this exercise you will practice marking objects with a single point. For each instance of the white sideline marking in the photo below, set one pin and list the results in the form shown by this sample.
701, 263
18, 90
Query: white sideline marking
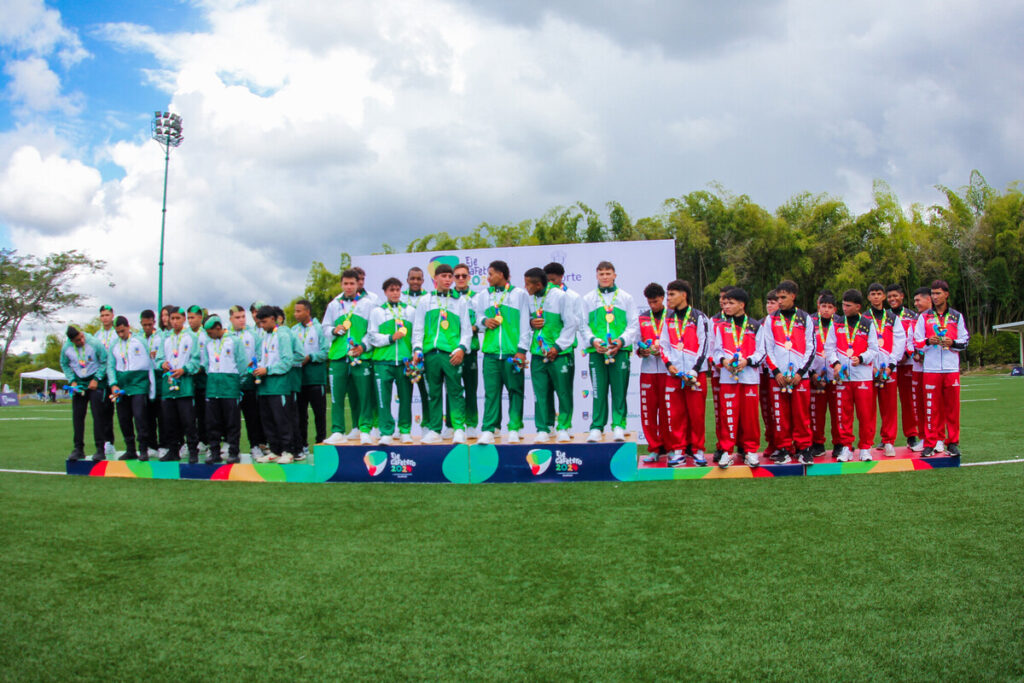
975, 400
32, 471
9, 419
992, 462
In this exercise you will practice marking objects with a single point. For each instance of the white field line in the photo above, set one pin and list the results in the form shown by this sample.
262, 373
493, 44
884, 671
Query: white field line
974, 400
13, 419
31, 471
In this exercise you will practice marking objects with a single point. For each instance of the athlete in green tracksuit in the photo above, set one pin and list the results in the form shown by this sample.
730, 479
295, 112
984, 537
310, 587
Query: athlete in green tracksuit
553, 321
313, 348
441, 336
612, 326
390, 335
344, 324
504, 313
130, 375
470, 367
411, 297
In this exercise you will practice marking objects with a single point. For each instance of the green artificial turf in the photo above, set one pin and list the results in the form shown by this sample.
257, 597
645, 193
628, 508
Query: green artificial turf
912, 575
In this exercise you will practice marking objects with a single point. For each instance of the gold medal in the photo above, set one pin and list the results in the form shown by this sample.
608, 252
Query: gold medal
444, 324
346, 324
788, 345
609, 317
499, 319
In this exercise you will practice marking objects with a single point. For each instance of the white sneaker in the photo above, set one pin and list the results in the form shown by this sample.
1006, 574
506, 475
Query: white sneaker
725, 460
447, 433
183, 451
161, 452
269, 457
266, 450
375, 433
303, 454
513, 437
406, 438
459, 436
431, 437
486, 438
472, 433
940, 447
204, 449
865, 454
385, 440
618, 434
354, 434
594, 436
890, 452
751, 460
677, 459
108, 449
286, 459
542, 437
365, 439
845, 455
335, 439
563, 436
918, 446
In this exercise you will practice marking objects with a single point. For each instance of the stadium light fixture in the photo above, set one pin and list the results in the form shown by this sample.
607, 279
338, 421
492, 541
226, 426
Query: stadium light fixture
166, 130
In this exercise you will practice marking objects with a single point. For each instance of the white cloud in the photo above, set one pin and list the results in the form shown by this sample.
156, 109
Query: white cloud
36, 87
29, 26
51, 195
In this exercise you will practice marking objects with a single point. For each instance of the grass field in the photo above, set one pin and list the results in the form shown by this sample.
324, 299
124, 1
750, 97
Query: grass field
901, 576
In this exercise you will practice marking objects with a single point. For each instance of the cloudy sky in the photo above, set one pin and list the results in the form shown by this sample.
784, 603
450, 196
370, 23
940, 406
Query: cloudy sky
321, 126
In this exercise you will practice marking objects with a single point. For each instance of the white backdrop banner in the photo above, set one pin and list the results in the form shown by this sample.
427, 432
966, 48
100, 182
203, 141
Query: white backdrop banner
636, 263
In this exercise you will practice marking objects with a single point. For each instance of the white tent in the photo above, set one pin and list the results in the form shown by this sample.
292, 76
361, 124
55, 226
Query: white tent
46, 374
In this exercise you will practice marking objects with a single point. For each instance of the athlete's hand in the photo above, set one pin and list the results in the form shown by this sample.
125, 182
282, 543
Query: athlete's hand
305, 360
599, 346
643, 353
178, 373
456, 357
166, 366
491, 323
339, 330
93, 385
934, 341
536, 323
741, 363
673, 371
551, 354
520, 359
355, 351
854, 360
399, 333
946, 342
781, 380
259, 372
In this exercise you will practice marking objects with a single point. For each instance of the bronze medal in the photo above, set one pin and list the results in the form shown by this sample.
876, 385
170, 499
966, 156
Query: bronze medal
444, 324
788, 345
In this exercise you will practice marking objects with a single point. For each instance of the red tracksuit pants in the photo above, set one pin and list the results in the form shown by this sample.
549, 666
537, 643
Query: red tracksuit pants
917, 378
886, 398
856, 397
908, 400
716, 405
825, 403
654, 406
765, 394
686, 410
792, 413
738, 411
942, 407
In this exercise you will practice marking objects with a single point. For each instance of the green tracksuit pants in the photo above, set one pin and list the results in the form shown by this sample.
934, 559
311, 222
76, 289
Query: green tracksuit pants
385, 376
614, 376
470, 380
441, 378
550, 380
356, 382
500, 374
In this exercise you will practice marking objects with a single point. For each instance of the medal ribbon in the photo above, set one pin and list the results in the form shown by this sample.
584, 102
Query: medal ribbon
823, 330
849, 336
788, 331
123, 348
680, 328
940, 322
737, 341
82, 354
879, 327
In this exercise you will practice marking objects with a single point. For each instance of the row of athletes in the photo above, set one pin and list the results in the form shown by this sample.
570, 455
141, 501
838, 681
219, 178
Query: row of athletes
433, 335
792, 369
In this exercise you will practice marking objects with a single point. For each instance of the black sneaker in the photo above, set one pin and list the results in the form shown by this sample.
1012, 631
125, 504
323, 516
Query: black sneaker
129, 455
781, 457
817, 449
99, 455
193, 458
928, 452
76, 455
912, 441
953, 448
718, 455
806, 457
233, 459
144, 455
170, 456
212, 459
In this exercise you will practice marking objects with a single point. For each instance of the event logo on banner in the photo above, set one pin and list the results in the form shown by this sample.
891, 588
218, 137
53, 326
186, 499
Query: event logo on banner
636, 263
375, 462
539, 459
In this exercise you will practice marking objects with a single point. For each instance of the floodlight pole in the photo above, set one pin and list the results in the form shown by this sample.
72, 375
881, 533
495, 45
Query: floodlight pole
166, 130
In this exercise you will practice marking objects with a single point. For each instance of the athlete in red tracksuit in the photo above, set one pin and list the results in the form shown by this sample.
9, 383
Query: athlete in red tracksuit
892, 346
922, 302
771, 304
940, 333
685, 344
850, 349
654, 404
823, 390
714, 370
787, 341
905, 366
736, 352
